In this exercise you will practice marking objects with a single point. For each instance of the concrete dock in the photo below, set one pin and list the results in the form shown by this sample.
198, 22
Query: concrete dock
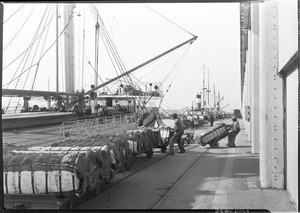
228, 178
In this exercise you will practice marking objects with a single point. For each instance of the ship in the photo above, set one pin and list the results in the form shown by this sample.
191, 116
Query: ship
119, 95
207, 106
99, 133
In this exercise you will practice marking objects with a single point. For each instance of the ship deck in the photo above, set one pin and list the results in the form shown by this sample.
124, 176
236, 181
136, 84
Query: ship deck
32, 115
32, 119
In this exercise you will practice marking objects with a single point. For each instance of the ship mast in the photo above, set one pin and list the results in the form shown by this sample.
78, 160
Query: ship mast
203, 88
69, 49
214, 97
57, 67
96, 51
219, 100
208, 91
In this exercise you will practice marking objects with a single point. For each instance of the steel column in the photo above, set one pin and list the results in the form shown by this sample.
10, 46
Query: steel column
248, 89
264, 99
277, 103
1, 66
254, 101
270, 97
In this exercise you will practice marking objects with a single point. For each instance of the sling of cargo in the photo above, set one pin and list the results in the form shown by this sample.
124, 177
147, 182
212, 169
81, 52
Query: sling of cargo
214, 134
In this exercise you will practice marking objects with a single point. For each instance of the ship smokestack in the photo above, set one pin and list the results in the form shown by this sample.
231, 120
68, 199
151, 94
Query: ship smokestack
198, 102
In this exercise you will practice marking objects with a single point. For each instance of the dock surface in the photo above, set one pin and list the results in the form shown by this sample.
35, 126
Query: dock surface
226, 178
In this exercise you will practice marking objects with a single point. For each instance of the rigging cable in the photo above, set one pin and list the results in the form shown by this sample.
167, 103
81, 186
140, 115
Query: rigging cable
19, 29
139, 80
88, 75
13, 13
173, 68
178, 69
106, 47
113, 51
9, 50
156, 67
44, 52
41, 52
181, 60
97, 74
116, 53
169, 20
185, 54
30, 54
111, 46
26, 55
160, 64
165, 111
38, 45
26, 48
125, 67
118, 27
118, 63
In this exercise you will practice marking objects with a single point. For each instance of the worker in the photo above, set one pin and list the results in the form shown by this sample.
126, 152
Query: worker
233, 132
211, 119
197, 122
178, 132
193, 122
141, 119
100, 111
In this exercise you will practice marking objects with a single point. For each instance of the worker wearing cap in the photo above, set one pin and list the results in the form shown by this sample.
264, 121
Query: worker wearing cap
178, 128
233, 132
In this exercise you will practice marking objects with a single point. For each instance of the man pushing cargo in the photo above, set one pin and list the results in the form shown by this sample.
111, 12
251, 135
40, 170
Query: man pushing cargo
233, 132
178, 128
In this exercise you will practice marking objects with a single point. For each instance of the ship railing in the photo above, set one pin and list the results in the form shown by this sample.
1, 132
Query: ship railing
88, 127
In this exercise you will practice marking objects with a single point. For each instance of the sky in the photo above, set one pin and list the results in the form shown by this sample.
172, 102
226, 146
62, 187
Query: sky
140, 32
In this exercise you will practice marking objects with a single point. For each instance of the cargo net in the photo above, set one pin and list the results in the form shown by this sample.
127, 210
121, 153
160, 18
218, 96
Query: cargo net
146, 138
74, 166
